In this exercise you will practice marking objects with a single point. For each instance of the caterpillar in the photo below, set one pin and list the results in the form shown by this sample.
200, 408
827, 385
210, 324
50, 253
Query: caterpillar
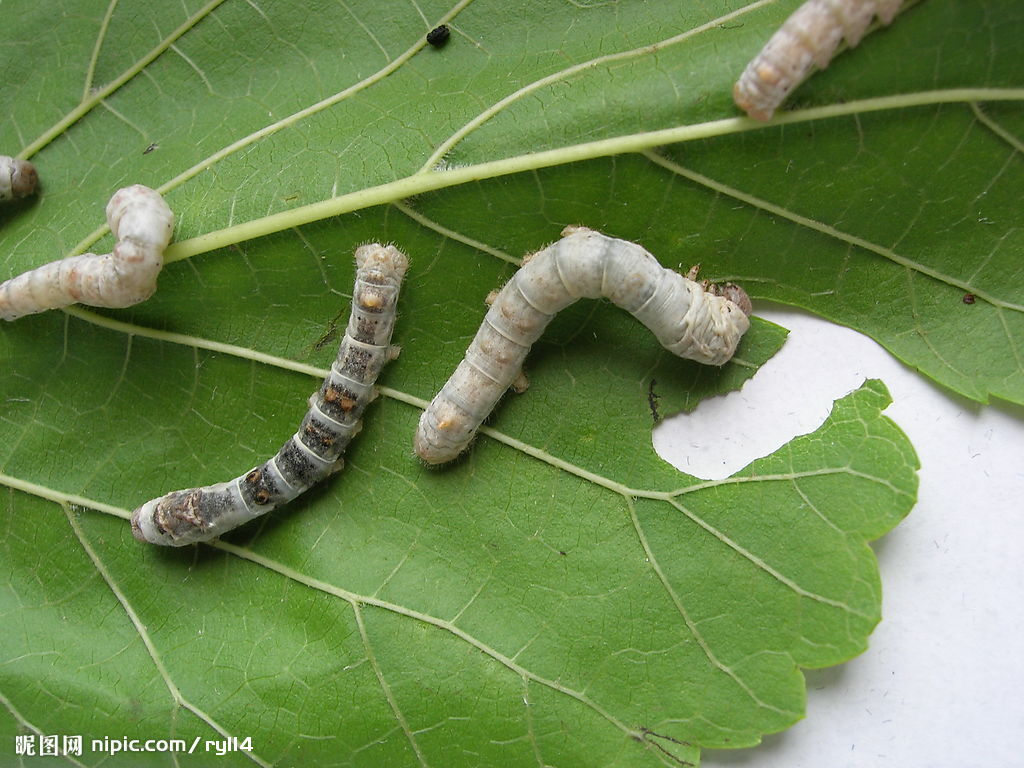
142, 223
18, 178
691, 320
807, 39
314, 451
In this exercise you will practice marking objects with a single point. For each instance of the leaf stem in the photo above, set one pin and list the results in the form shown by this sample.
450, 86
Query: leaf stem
433, 180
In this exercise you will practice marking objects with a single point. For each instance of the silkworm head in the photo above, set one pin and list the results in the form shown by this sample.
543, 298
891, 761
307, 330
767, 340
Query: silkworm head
381, 258
738, 296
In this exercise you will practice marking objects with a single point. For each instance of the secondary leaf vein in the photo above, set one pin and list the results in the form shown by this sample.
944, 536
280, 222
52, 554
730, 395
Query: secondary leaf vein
385, 688
690, 624
147, 641
764, 566
828, 230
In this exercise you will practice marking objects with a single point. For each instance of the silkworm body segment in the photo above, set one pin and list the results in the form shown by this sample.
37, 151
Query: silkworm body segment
18, 178
807, 39
141, 222
688, 320
315, 450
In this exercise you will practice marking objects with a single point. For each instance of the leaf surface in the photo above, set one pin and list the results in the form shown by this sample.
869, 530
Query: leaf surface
561, 596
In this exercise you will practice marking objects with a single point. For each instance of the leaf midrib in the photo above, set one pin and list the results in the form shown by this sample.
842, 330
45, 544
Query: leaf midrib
428, 179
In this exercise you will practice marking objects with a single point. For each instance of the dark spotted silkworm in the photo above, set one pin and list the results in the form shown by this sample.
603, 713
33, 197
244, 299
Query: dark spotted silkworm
807, 40
142, 223
312, 453
689, 319
18, 178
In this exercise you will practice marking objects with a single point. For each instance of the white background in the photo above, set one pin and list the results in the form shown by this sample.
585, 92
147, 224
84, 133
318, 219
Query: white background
942, 681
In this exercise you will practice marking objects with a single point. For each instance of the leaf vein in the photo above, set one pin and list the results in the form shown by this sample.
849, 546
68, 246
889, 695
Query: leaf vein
691, 625
26, 725
385, 688
95, 98
448, 144
147, 641
764, 566
421, 182
97, 47
828, 230
996, 128
433, 621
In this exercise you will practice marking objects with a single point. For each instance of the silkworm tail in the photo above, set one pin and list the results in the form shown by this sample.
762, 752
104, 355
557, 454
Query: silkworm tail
808, 39
447, 427
18, 179
50, 286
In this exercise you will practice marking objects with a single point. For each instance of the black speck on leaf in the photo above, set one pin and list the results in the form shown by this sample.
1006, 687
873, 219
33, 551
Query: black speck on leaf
438, 36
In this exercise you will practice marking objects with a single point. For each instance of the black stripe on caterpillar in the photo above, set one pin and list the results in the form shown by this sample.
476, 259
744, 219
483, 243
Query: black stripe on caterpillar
689, 319
18, 178
314, 451
142, 223
806, 40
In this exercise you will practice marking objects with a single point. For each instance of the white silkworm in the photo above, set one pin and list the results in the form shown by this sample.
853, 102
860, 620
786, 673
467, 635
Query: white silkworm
807, 39
314, 451
689, 319
142, 223
18, 178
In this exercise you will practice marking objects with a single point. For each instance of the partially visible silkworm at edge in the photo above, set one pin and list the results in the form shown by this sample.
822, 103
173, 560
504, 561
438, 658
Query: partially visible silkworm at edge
18, 178
687, 320
314, 451
806, 40
141, 222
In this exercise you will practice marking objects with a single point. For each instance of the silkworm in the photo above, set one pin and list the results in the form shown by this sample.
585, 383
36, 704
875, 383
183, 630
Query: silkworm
807, 39
315, 451
141, 222
18, 178
689, 319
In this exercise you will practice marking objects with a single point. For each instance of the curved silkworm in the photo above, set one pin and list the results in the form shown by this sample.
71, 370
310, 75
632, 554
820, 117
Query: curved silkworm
806, 40
18, 178
688, 318
142, 223
312, 453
